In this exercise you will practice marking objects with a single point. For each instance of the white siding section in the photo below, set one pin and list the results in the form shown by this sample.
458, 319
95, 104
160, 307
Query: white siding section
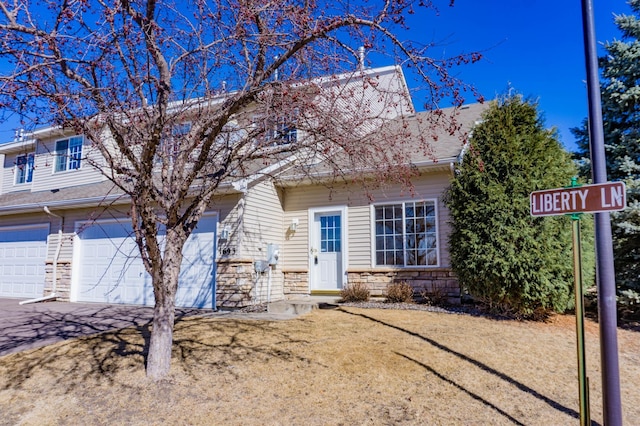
44, 177
299, 199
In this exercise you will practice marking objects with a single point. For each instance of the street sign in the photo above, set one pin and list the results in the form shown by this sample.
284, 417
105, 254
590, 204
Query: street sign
603, 197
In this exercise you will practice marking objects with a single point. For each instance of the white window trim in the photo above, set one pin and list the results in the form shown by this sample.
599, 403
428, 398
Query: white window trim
372, 217
67, 155
15, 174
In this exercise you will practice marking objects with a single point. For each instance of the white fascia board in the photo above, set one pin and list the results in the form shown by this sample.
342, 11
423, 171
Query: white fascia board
66, 204
113, 199
18, 146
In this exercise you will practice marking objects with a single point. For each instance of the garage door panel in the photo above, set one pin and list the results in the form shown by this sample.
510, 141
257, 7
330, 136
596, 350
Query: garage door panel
22, 261
113, 272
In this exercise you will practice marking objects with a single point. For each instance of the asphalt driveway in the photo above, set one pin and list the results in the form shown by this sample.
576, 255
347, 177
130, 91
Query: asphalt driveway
33, 325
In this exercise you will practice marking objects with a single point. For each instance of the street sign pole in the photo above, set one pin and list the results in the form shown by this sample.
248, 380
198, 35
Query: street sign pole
583, 380
611, 401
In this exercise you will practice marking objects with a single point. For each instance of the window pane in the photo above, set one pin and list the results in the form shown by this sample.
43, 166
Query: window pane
409, 211
75, 153
432, 257
30, 165
24, 169
398, 226
61, 155
330, 234
379, 228
388, 242
21, 169
389, 258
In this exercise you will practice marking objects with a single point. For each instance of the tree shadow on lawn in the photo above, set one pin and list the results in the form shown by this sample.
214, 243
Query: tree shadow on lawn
229, 341
99, 356
45, 325
482, 366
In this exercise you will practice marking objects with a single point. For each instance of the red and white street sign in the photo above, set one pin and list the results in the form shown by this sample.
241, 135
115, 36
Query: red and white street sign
600, 197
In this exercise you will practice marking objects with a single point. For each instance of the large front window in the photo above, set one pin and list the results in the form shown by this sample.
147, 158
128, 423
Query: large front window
68, 154
24, 168
406, 234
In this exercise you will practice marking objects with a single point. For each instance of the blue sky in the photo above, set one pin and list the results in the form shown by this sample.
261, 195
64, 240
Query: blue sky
534, 46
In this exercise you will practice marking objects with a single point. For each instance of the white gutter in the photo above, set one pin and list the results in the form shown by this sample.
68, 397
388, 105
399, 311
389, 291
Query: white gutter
54, 284
81, 202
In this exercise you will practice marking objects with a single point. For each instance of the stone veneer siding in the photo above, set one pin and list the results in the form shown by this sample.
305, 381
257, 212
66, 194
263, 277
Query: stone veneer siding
441, 281
296, 282
63, 280
234, 283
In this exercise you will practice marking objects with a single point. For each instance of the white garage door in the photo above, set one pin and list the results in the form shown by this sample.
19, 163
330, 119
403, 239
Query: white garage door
23, 251
111, 270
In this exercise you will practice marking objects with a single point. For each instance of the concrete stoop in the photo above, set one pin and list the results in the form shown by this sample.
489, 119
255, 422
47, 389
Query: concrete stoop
301, 306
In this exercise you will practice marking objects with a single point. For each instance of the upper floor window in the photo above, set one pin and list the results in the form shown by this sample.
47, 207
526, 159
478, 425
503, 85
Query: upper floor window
68, 154
24, 168
170, 143
406, 234
279, 130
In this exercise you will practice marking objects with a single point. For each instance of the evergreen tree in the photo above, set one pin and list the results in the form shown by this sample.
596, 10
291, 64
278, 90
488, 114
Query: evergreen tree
504, 257
620, 87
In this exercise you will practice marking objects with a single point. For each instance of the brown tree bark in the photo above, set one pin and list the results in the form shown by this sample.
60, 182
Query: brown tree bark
165, 285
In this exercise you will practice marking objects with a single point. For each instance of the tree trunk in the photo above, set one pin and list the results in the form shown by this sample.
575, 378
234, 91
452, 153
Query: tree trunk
165, 289
159, 359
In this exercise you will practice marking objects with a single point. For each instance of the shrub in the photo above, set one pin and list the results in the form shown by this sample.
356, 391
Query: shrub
512, 262
355, 292
435, 297
399, 292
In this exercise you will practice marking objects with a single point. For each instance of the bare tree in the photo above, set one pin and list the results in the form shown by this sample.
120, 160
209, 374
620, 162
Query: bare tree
181, 96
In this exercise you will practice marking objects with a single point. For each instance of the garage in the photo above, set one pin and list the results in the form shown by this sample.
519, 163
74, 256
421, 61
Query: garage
110, 269
23, 251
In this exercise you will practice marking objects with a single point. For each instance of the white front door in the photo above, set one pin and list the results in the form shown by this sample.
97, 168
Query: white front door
326, 251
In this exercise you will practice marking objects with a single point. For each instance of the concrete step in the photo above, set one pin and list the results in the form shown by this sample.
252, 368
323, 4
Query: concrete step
299, 307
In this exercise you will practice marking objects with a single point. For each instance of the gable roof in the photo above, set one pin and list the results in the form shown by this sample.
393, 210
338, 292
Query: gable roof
424, 139
105, 192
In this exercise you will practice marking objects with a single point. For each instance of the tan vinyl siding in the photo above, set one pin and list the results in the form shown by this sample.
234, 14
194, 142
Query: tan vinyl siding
295, 252
262, 220
263, 224
8, 162
227, 208
44, 177
299, 199
359, 236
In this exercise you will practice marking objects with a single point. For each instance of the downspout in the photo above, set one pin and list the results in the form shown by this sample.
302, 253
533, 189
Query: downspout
54, 283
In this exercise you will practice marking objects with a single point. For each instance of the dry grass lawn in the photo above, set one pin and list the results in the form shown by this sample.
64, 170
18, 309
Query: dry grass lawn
346, 366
